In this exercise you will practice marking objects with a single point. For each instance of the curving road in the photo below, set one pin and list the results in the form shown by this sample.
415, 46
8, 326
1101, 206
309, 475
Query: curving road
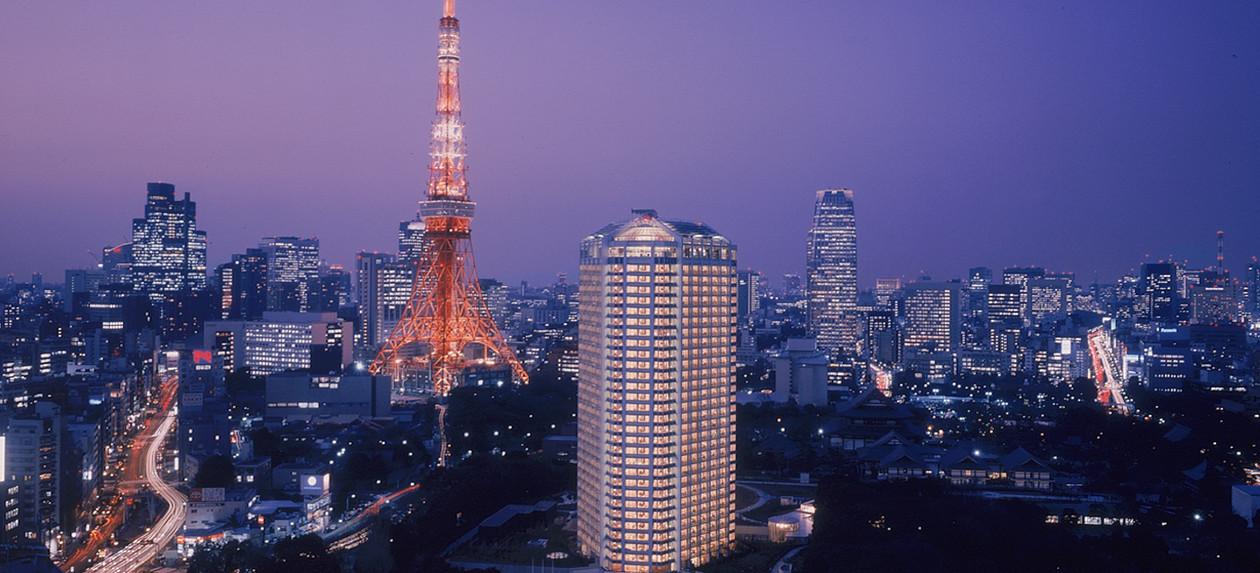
782, 566
128, 477
145, 548
762, 499
352, 533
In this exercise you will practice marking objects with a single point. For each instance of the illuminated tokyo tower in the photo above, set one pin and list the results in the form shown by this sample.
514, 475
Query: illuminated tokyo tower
446, 326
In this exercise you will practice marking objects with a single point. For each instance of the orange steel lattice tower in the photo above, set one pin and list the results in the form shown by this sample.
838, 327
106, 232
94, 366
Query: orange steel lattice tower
446, 318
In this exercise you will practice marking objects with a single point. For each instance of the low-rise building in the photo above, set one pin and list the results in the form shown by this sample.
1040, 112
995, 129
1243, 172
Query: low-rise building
305, 396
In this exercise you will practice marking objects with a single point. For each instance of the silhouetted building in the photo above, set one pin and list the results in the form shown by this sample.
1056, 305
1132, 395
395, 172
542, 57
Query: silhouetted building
303, 395
748, 298
243, 286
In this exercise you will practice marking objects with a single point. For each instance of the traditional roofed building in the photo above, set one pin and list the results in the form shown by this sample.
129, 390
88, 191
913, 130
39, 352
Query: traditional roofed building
868, 417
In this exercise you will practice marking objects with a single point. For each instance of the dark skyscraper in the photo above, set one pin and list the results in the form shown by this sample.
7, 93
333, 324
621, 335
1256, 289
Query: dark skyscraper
116, 262
748, 295
978, 280
831, 262
334, 289
168, 252
1159, 292
1251, 288
243, 286
974, 304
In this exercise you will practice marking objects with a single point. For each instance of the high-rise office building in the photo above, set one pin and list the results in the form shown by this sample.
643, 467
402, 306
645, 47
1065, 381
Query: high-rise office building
978, 281
748, 299
116, 263
243, 286
79, 285
1048, 298
1213, 305
292, 273
885, 290
1251, 288
978, 278
1158, 288
1004, 316
656, 418
1021, 276
334, 289
496, 294
168, 252
411, 243
20, 437
32, 467
974, 302
932, 316
383, 288
831, 262
882, 337
792, 285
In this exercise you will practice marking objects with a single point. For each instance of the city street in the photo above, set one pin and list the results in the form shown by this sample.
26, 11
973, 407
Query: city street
144, 548
139, 467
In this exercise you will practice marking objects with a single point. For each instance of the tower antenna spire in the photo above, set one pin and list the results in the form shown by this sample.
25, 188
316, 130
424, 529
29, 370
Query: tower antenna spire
1220, 252
446, 329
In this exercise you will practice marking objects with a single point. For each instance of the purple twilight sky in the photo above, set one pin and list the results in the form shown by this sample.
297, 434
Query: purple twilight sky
1080, 136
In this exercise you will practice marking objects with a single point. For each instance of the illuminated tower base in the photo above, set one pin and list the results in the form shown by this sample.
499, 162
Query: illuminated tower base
446, 327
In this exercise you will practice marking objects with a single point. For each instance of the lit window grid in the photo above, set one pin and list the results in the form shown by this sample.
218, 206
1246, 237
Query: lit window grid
665, 409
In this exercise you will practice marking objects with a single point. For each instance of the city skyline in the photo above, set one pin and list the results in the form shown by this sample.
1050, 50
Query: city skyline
227, 391
333, 126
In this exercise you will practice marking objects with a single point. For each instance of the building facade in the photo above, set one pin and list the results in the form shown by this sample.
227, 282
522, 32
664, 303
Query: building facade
243, 286
749, 298
1004, 313
831, 265
281, 341
384, 286
656, 418
303, 395
292, 273
800, 373
168, 252
932, 317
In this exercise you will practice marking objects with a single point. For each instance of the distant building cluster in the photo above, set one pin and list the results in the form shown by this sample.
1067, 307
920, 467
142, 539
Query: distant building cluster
1169, 327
